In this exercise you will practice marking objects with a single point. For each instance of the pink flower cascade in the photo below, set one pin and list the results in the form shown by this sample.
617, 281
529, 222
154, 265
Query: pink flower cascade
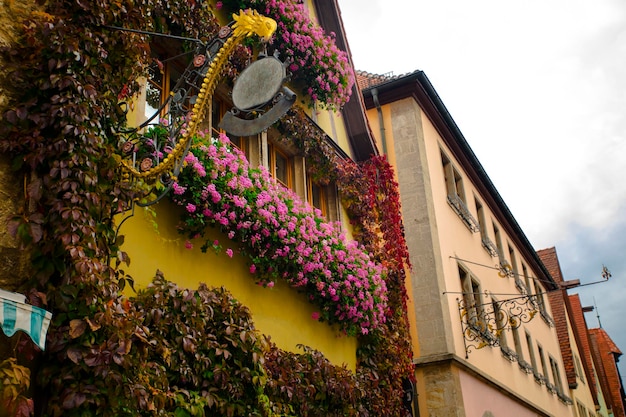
282, 236
315, 58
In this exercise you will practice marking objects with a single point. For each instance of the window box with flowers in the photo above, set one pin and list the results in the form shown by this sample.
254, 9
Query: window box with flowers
315, 60
282, 237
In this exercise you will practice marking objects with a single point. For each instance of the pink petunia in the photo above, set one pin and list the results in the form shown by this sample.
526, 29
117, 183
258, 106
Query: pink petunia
315, 315
229, 252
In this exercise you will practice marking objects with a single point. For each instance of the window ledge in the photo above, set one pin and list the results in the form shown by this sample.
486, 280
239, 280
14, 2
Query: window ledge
508, 353
519, 285
458, 205
489, 246
539, 379
564, 398
525, 366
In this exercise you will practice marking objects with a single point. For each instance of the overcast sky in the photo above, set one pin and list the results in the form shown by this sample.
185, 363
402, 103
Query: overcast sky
538, 88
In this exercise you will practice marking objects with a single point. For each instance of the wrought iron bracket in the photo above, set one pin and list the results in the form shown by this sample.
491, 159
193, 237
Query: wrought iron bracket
483, 324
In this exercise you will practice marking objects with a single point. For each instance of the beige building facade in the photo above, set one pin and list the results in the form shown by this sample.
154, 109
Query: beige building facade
486, 342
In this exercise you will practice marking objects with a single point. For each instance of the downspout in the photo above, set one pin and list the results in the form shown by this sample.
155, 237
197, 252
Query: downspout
381, 122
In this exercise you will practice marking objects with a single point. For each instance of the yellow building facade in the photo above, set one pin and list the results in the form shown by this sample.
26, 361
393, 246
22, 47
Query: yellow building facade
281, 312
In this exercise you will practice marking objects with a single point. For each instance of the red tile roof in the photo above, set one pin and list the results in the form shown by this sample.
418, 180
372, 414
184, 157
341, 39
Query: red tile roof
559, 313
365, 79
581, 333
605, 354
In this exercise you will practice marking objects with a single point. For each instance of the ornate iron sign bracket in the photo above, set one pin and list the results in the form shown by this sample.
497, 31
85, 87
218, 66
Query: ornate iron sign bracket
153, 162
483, 324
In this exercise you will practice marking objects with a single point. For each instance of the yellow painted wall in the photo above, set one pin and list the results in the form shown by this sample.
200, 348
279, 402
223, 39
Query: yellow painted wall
280, 312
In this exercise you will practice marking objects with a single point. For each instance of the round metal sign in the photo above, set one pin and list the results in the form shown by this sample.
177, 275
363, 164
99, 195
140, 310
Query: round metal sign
258, 83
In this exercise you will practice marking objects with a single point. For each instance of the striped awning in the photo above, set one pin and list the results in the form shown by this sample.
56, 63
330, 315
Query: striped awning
16, 315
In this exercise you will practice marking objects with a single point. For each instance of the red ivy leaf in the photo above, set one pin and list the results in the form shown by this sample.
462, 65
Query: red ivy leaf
74, 355
25, 407
36, 232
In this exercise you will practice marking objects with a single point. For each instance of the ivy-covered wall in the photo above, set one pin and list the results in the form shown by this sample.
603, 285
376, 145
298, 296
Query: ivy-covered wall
278, 311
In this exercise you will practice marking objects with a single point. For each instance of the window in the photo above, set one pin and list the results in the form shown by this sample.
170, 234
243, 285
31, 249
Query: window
578, 368
164, 73
157, 88
481, 218
218, 110
456, 194
526, 279
472, 297
454, 183
482, 224
501, 324
513, 263
512, 260
516, 339
539, 296
515, 330
324, 198
556, 374
281, 166
582, 412
542, 358
317, 196
219, 107
531, 351
496, 233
